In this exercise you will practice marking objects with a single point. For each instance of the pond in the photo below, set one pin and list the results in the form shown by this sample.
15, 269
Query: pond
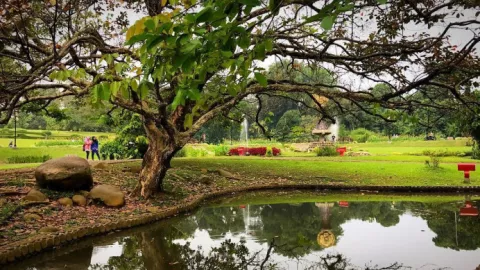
291, 231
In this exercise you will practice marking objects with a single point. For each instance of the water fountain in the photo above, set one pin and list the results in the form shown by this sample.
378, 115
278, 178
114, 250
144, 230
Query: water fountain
244, 132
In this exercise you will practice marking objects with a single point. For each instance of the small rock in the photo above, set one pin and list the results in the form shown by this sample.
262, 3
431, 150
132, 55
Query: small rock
203, 170
205, 180
35, 196
109, 195
84, 193
48, 229
65, 201
31, 217
79, 200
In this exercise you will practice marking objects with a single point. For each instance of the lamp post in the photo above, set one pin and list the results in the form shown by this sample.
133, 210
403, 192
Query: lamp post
15, 129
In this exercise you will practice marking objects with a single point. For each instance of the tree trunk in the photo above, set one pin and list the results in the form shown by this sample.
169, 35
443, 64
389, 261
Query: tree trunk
156, 161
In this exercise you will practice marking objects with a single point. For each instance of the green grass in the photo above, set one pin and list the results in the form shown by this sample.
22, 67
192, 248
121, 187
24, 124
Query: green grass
349, 173
54, 152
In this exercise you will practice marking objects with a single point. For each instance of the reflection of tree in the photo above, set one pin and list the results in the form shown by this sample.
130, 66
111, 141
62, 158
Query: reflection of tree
228, 255
459, 233
81, 260
220, 220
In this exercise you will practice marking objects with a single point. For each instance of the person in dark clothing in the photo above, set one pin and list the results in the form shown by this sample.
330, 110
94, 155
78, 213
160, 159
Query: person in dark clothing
95, 148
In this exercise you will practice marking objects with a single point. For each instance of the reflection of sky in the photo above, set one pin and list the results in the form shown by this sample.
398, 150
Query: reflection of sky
101, 254
410, 242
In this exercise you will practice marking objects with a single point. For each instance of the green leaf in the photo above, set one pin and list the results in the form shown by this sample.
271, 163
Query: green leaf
244, 41
53, 75
143, 90
154, 42
382, 2
179, 59
150, 24
269, 45
188, 64
179, 99
134, 85
227, 54
95, 93
193, 94
119, 68
104, 93
327, 22
204, 15
81, 74
138, 38
261, 79
252, 3
260, 51
188, 121
114, 87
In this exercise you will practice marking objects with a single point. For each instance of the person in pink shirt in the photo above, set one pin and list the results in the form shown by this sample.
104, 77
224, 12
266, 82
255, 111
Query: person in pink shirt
87, 146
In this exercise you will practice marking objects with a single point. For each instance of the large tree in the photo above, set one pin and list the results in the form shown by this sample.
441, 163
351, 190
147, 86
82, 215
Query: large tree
60, 48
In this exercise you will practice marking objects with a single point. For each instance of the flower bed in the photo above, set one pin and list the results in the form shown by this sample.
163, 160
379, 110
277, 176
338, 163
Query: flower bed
254, 151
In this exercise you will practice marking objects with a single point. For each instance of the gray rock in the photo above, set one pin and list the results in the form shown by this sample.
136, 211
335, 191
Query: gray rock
66, 173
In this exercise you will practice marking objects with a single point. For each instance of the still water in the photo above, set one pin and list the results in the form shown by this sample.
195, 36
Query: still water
320, 232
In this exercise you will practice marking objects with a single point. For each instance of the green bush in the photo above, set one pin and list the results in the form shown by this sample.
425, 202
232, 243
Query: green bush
433, 163
221, 150
269, 152
120, 149
445, 153
196, 152
181, 153
75, 137
361, 135
57, 143
326, 151
28, 159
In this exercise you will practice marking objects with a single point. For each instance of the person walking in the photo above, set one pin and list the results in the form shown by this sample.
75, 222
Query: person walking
87, 146
95, 148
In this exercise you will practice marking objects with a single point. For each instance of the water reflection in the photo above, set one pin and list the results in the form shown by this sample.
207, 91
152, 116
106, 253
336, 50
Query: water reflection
322, 235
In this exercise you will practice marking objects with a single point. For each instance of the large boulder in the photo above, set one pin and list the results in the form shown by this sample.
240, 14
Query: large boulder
66, 173
109, 195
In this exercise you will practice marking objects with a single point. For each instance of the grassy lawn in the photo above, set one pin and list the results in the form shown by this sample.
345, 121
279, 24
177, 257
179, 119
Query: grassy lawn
349, 173
54, 152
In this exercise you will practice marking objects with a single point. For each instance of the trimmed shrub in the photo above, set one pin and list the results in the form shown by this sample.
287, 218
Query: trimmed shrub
220, 150
57, 143
326, 151
28, 159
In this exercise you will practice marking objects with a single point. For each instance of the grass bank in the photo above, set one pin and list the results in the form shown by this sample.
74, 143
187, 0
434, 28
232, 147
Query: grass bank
348, 172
